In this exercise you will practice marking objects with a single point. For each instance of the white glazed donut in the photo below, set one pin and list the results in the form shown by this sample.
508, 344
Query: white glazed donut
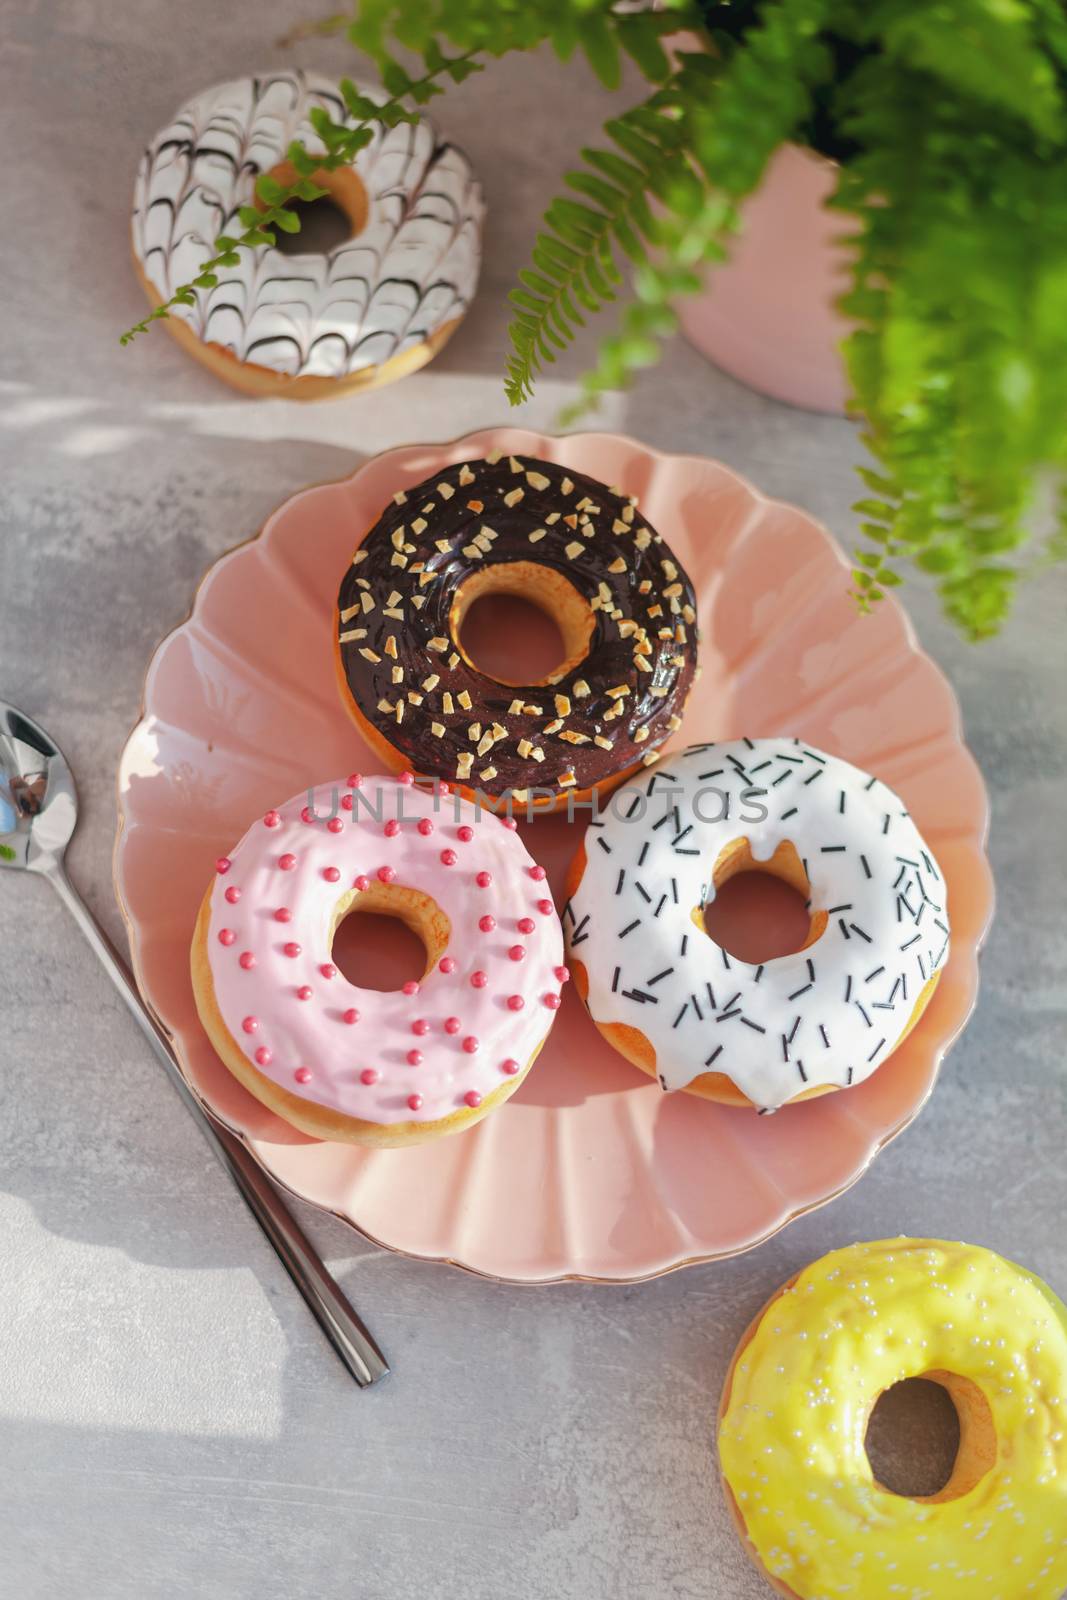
677, 1004
377, 306
343, 1062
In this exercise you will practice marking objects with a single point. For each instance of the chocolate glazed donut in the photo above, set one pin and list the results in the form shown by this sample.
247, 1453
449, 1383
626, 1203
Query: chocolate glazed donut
584, 554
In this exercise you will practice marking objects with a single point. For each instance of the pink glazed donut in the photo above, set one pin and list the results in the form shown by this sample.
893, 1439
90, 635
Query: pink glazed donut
360, 1065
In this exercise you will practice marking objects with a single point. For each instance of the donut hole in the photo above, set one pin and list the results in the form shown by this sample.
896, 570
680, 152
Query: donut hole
325, 224
521, 624
387, 936
760, 909
931, 1437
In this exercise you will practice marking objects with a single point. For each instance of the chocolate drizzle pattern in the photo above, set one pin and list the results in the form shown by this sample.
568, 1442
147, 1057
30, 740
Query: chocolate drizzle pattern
412, 268
828, 1014
410, 680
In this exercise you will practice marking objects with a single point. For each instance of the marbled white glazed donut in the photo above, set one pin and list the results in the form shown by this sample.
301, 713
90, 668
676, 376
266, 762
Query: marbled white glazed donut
343, 1062
682, 1008
585, 555
799, 1395
377, 306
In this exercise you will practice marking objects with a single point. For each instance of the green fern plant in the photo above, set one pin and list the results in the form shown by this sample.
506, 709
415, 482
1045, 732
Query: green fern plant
950, 126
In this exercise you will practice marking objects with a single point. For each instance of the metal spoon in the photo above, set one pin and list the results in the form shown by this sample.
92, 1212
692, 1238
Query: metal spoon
38, 814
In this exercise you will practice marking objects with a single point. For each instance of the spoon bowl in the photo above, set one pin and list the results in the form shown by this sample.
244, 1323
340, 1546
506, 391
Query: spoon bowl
38, 800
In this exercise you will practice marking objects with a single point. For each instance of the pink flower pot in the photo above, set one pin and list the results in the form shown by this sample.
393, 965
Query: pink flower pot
768, 314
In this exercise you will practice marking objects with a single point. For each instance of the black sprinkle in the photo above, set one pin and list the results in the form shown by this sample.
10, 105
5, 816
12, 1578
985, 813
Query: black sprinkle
603, 843
793, 1030
622, 880
659, 976
831, 849
800, 1069
680, 1015
863, 1014
644, 852
643, 892
579, 926
629, 928
696, 1008
811, 969
754, 1025
866, 868
661, 903
825, 1036
732, 1000
759, 973
725, 959
785, 1048
714, 1055
856, 929
790, 813
844, 930
798, 992
848, 988
678, 839
711, 995
869, 785
674, 889
849, 1078
876, 1049
873, 974
578, 938
841, 803
615, 980
909, 942
685, 944
636, 802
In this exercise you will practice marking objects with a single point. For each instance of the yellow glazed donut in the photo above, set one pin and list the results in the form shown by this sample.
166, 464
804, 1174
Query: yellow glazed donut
799, 1394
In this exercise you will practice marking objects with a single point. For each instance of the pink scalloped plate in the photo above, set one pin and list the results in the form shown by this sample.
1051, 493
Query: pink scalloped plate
589, 1172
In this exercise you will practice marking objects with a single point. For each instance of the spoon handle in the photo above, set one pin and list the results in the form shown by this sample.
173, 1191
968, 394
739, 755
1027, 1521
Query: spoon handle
352, 1341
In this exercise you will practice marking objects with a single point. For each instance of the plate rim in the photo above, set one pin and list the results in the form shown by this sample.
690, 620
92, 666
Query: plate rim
979, 837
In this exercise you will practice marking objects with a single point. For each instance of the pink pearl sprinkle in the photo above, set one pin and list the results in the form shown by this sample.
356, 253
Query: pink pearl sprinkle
223, 864
537, 872
246, 960
447, 964
484, 879
351, 1015
472, 1098
304, 992
452, 1024
551, 1001
545, 907
515, 1002
369, 1075
411, 987
328, 969
292, 949
392, 828
517, 952
346, 802
487, 923
273, 819
562, 974
465, 833
510, 1066
302, 1074
305, 815
509, 823
287, 862
386, 874
414, 1058
443, 787
250, 1024
227, 936
479, 980
232, 895
448, 858
283, 914
420, 1026
361, 883
331, 874
335, 825
470, 1044
425, 826
414, 1102
407, 777
263, 1056
525, 925
355, 780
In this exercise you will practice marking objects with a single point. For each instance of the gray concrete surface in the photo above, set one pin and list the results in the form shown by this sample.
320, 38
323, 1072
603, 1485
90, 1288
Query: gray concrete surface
171, 1424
